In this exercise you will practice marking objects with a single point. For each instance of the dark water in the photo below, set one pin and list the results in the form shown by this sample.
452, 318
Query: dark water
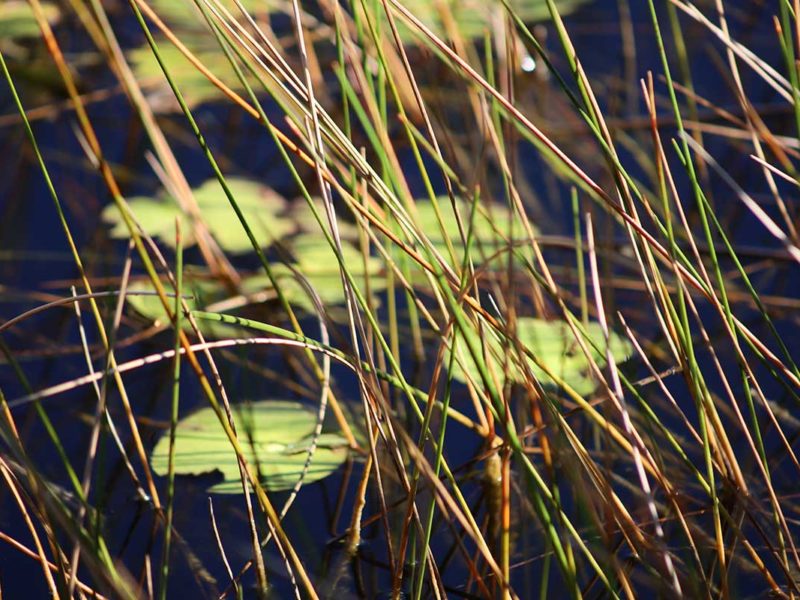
34, 265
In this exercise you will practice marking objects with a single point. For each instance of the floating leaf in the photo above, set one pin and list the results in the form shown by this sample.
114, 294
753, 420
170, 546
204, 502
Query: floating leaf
156, 217
554, 345
32, 69
316, 261
195, 87
489, 230
203, 292
471, 18
275, 436
261, 207
187, 15
17, 19
302, 214
186, 20
314, 255
488, 222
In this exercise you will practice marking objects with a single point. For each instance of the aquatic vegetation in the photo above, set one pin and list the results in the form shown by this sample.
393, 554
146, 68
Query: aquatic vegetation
552, 353
18, 21
263, 209
497, 299
277, 438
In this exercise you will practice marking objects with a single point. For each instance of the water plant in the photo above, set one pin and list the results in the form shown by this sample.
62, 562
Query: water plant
280, 440
399, 298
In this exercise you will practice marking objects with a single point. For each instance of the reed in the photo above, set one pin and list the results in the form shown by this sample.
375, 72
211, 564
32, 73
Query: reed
535, 276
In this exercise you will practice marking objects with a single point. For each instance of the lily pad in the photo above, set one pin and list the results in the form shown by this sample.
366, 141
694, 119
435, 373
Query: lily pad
489, 230
263, 209
195, 87
187, 15
316, 261
31, 66
306, 221
203, 292
275, 436
314, 255
488, 222
18, 21
471, 18
186, 20
554, 344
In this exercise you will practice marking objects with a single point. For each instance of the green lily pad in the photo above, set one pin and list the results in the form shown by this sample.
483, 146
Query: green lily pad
275, 436
30, 64
472, 18
488, 222
187, 15
489, 231
186, 20
18, 21
263, 209
156, 217
195, 87
316, 261
554, 344
203, 292
314, 254
306, 221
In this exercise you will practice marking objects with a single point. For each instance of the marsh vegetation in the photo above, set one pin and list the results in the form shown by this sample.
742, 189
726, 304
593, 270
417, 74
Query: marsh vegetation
399, 298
